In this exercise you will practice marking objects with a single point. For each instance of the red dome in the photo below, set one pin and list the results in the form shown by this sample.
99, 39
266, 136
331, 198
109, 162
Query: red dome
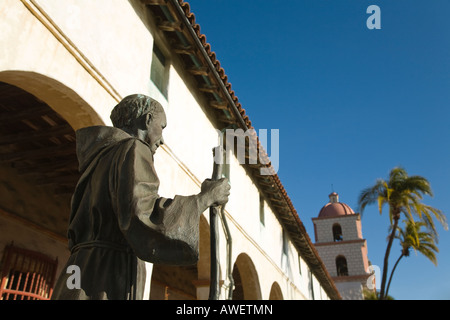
334, 208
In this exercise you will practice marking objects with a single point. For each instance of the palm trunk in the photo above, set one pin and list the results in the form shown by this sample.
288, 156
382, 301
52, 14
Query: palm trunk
396, 216
392, 273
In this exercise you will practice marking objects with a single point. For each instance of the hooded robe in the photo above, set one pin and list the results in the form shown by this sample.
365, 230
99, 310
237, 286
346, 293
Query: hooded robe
118, 221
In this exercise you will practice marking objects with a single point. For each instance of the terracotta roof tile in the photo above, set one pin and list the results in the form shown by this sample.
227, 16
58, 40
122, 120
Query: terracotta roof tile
212, 55
293, 216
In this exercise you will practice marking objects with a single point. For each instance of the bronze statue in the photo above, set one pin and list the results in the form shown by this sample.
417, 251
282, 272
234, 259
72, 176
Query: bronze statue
117, 219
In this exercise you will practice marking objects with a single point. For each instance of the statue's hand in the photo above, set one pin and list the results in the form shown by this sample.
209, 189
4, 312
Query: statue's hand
215, 193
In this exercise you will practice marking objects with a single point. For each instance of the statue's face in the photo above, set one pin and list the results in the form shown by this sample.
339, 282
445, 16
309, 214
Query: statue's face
155, 126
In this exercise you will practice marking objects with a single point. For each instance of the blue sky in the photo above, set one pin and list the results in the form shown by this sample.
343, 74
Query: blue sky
350, 103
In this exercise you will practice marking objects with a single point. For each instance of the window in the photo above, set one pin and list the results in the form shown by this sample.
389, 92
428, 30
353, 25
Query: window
159, 72
311, 284
285, 243
26, 275
226, 165
261, 211
285, 252
341, 266
300, 265
337, 232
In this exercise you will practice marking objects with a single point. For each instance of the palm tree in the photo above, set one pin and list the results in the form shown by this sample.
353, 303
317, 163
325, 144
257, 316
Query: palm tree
403, 194
420, 241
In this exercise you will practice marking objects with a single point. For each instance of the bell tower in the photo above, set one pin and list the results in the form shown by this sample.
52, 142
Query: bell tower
339, 241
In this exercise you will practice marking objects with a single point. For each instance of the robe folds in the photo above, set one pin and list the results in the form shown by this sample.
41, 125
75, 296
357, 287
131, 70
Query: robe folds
118, 220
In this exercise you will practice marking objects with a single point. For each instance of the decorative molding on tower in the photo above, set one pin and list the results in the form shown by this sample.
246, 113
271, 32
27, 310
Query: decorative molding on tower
341, 246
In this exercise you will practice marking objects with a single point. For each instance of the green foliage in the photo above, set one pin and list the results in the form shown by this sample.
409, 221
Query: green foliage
373, 295
412, 237
403, 194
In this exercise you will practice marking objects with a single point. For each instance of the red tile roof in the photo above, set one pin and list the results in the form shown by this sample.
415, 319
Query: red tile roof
270, 185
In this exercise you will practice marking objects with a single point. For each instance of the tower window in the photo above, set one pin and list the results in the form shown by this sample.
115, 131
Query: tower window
337, 232
341, 266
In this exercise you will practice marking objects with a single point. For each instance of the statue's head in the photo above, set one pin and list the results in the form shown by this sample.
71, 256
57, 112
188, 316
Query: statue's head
142, 117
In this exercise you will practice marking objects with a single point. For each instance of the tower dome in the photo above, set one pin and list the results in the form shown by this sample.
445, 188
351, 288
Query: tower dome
334, 208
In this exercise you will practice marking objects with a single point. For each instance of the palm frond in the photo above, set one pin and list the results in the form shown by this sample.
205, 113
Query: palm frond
422, 242
372, 194
404, 194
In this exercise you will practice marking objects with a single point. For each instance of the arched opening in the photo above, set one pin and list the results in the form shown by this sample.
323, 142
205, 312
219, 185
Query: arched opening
341, 266
337, 232
184, 282
246, 280
275, 292
204, 261
238, 292
62, 99
38, 165
173, 282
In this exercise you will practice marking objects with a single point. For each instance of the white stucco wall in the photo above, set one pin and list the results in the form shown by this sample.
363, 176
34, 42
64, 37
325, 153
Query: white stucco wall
99, 52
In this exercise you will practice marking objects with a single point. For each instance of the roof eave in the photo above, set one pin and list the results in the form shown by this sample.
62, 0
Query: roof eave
270, 185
